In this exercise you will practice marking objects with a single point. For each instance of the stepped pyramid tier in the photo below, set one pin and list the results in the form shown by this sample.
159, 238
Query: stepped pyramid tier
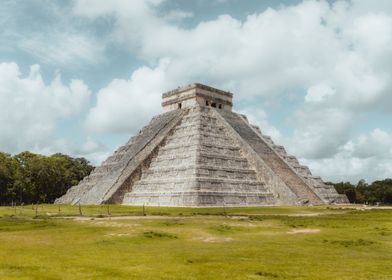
200, 153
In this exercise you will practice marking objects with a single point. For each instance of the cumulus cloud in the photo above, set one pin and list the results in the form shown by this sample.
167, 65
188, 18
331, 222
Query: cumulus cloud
336, 57
270, 53
377, 143
319, 93
30, 108
319, 133
126, 104
368, 156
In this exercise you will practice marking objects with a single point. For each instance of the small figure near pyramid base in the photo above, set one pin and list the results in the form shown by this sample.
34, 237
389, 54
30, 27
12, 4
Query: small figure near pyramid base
199, 153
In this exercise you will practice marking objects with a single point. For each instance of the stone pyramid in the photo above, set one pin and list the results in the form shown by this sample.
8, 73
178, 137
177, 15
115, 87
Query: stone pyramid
200, 153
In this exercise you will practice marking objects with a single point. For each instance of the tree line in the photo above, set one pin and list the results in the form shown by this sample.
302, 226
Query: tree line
364, 193
32, 178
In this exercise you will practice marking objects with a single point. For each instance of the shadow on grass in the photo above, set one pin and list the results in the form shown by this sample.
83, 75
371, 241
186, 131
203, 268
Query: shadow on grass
350, 243
159, 235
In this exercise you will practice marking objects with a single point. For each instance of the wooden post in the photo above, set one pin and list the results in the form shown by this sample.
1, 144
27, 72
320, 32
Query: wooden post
36, 210
108, 209
144, 211
80, 210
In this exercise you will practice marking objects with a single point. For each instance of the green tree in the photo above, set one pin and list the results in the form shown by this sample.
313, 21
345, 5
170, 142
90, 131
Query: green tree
348, 189
32, 178
376, 192
382, 191
8, 168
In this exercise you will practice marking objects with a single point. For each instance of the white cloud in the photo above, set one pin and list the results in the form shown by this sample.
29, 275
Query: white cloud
30, 108
62, 49
339, 54
137, 13
269, 53
336, 58
126, 105
369, 156
318, 132
319, 93
377, 143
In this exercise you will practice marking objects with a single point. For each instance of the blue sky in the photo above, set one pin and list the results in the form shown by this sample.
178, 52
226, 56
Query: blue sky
82, 76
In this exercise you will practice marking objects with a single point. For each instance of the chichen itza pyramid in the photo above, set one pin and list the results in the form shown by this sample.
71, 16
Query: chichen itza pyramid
200, 153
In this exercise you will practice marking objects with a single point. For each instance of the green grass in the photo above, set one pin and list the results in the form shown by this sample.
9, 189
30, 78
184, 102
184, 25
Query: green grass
195, 243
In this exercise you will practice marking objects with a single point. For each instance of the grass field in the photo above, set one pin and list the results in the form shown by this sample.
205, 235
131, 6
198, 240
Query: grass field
119, 242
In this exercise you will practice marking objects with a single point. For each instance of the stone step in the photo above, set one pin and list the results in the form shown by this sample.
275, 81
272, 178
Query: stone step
280, 149
210, 193
302, 170
142, 187
292, 160
192, 158
268, 139
190, 171
174, 162
199, 124
199, 199
202, 152
164, 157
205, 117
199, 193
221, 156
197, 135
206, 145
200, 179
222, 162
202, 129
171, 188
201, 167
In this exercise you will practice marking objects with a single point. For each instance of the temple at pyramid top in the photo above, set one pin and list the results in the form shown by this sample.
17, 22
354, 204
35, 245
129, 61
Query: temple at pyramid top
197, 94
200, 153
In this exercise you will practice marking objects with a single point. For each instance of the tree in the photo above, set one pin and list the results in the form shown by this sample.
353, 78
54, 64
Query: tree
348, 189
383, 191
8, 168
32, 178
376, 192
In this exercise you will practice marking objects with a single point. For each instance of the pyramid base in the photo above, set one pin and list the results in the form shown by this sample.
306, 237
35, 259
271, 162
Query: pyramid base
199, 199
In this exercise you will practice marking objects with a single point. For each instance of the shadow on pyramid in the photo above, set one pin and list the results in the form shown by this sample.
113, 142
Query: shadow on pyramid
200, 153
